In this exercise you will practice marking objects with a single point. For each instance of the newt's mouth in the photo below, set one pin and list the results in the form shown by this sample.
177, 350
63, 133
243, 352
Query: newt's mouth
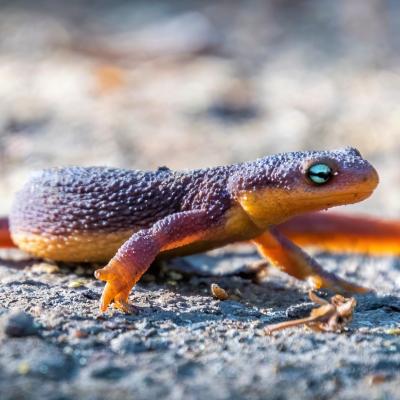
335, 200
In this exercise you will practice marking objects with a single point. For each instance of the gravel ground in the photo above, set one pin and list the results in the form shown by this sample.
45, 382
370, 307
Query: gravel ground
188, 84
183, 343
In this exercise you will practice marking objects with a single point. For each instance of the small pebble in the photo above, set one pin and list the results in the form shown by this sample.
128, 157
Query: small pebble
218, 292
393, 331
377, 379
80, 271
80, 334
175, 276
18, 324
127, 343
45, 268
108, 371
23, 368
77, 283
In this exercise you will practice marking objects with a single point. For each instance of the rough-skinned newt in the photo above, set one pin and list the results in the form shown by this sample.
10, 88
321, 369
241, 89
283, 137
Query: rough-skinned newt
128, 218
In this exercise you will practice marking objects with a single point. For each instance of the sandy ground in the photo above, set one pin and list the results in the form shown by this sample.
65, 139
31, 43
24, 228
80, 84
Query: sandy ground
140, 85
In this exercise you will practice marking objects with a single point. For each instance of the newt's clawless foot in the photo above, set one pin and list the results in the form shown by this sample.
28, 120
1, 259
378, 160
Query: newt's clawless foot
135, 256
117, 288
291, 259
125, 269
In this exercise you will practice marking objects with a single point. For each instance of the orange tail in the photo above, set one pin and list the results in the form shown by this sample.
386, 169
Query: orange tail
344, 233
5, 237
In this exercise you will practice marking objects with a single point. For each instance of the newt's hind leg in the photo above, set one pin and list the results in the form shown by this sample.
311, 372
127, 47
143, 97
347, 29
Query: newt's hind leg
291, 259
135, 256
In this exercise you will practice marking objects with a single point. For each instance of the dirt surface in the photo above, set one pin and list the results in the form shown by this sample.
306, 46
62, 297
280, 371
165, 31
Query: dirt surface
183, 343
190, 84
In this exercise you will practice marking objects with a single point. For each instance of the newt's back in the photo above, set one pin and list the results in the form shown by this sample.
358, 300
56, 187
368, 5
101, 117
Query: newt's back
103, 206
58, 201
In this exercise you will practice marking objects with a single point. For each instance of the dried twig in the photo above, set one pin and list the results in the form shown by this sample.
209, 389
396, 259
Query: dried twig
331, 316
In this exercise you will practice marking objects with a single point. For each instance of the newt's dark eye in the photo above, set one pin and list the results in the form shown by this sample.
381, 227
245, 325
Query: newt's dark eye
319, 173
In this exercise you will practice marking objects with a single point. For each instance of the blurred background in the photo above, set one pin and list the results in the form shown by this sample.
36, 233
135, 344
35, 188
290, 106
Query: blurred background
139, 84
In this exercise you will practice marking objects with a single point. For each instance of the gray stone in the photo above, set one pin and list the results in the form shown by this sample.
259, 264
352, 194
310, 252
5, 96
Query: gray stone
127, 343
18, 324
107, 371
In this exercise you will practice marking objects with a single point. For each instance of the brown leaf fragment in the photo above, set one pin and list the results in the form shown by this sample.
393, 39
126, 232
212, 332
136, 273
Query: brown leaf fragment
218, 292
376, 379
331, 316
80, 334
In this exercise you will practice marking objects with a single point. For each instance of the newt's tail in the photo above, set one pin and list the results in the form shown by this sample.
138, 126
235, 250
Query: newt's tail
344, 233
5, 237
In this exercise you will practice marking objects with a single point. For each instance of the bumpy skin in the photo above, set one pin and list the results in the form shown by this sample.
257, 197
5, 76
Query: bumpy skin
71, 210
86, 214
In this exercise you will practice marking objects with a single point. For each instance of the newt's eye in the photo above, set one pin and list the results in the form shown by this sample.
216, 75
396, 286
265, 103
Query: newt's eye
319, 173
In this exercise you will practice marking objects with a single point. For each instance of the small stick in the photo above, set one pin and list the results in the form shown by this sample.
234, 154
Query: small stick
331, 316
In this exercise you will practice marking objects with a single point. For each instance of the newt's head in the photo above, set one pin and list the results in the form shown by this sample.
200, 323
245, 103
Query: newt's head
275, 188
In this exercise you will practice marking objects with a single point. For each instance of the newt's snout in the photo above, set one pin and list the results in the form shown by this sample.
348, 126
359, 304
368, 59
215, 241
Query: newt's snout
371, 178
363, 182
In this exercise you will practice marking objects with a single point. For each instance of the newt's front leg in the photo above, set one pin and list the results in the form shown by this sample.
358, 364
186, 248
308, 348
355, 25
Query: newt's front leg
291, 259
139, 251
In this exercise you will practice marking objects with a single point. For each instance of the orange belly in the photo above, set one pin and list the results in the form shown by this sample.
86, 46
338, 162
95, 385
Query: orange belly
101, 246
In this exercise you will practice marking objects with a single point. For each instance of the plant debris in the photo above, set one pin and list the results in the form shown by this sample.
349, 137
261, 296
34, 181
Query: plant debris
393, 331
77, 283
218, 292
331, 316
377, 379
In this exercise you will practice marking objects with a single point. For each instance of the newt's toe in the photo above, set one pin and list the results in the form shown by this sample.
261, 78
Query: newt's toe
121, 302
103, 274
117, 294
117, 288
107, 297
